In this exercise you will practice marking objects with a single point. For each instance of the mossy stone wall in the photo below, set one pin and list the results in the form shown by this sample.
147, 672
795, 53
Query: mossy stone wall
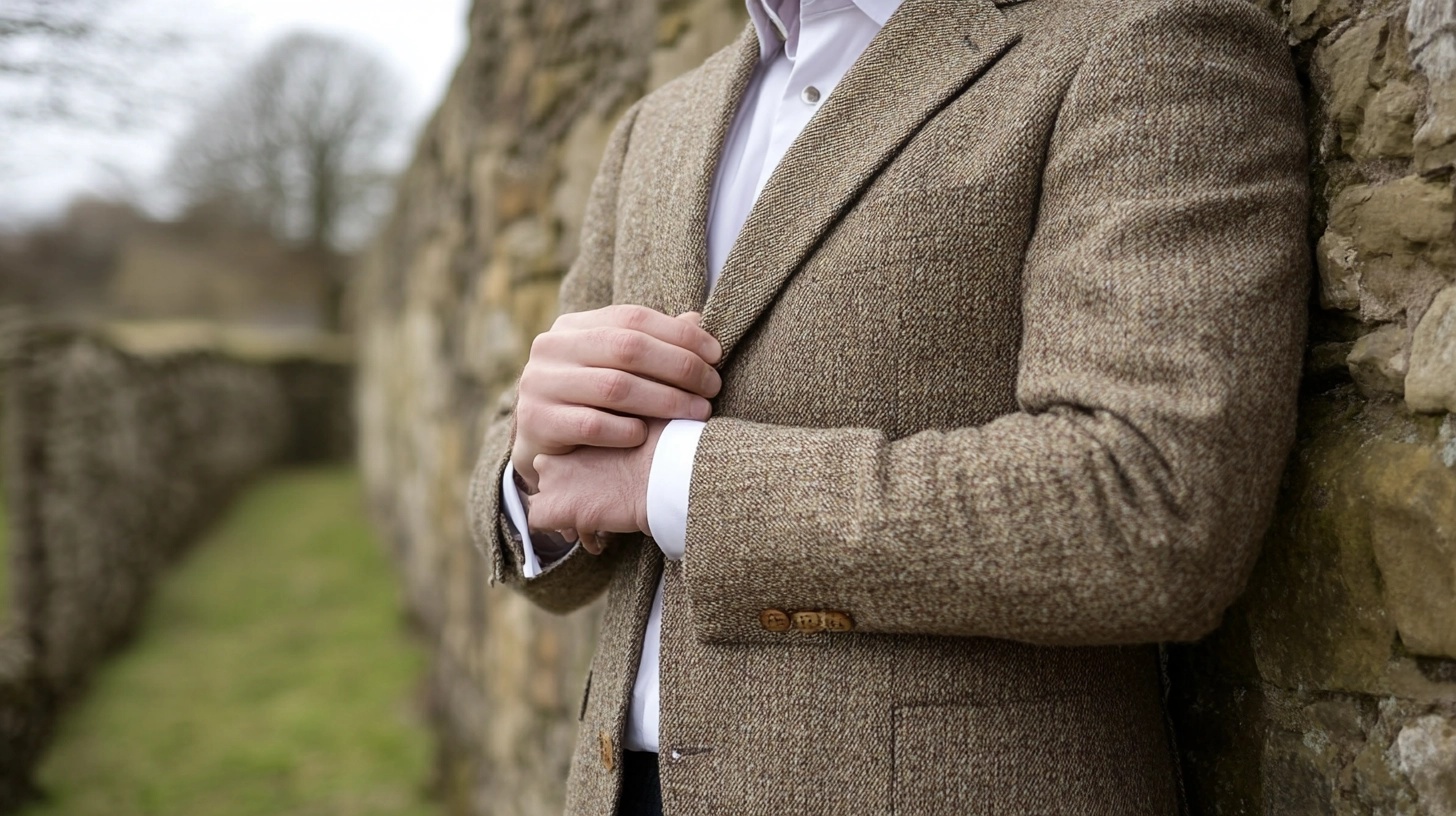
120, 443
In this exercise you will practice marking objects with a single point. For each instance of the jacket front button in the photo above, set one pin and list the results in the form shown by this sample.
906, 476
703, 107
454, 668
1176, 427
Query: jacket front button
838, 622
605, 741
774, 620
809, 621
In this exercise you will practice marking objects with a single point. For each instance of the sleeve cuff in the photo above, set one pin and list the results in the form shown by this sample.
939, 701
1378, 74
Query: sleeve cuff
516, 512
667, 486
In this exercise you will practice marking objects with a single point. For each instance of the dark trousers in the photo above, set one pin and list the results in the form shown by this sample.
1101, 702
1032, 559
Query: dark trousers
641, 787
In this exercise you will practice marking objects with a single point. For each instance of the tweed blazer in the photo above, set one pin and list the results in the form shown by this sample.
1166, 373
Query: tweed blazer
1012, 340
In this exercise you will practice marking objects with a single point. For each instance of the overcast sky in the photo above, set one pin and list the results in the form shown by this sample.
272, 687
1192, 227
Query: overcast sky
45, 164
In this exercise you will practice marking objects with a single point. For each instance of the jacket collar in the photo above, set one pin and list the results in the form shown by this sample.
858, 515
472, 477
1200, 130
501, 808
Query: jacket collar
775, 20
926, 54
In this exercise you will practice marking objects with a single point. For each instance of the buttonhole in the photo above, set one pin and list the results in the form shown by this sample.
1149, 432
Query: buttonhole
689, 750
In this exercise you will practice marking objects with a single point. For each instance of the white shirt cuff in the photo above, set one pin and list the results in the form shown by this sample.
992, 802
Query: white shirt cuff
667, 485
516, 512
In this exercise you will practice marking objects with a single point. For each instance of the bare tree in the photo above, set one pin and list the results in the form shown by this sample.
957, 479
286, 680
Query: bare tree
75, 61
296, 143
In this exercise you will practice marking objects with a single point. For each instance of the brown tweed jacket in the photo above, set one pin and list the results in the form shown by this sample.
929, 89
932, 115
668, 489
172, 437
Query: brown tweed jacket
1012, 339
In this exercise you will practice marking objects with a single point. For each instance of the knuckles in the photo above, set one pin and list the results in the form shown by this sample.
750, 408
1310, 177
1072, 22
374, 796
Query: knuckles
613, 387
589, 426
630, 316
625, 347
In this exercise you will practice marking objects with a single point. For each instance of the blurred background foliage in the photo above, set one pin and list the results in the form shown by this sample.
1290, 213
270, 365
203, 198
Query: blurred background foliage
206, 174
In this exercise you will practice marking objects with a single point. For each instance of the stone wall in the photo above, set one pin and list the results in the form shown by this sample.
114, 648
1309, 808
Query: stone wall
1332, 688
119, 445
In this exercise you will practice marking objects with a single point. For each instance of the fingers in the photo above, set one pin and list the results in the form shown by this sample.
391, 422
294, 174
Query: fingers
596, 375
559, 428
623, 393
684, 334
626, 351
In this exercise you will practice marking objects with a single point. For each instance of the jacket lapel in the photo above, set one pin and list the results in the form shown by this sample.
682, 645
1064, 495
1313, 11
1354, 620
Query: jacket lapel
682, 228
927, 52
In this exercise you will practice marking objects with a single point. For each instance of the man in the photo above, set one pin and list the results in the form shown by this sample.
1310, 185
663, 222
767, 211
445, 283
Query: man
1002, 308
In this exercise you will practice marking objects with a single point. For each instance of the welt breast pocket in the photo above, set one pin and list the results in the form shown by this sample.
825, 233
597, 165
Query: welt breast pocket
1024, 758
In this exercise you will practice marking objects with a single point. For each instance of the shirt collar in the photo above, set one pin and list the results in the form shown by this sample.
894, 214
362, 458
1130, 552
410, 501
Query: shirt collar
769, 15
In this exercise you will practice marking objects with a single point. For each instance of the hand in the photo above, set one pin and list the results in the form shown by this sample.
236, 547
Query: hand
593, 367
599, 489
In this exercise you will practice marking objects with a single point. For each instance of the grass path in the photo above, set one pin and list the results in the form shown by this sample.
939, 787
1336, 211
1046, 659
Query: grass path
271, 677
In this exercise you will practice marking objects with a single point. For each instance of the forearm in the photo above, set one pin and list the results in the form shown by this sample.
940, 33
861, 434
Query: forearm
1060, 528
565, 584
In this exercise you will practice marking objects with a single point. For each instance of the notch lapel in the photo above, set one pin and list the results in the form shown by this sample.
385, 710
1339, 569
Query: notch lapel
928, 51
681, 226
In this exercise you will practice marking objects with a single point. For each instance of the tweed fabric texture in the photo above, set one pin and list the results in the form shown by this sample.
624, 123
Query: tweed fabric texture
1012, 340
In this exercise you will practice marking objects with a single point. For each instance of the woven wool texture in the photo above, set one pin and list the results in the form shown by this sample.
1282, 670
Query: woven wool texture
1012, 339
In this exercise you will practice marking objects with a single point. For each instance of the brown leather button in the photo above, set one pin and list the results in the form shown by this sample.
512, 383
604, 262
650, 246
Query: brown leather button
838, 622
608, 757
774, 620
809, 621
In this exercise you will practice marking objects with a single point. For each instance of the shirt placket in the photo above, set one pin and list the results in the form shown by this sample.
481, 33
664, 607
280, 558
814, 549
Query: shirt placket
807, 85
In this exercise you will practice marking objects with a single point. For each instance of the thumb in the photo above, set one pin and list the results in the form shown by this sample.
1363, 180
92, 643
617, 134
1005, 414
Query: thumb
695, 318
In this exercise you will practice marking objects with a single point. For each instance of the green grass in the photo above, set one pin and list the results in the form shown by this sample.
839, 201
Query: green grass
271, 677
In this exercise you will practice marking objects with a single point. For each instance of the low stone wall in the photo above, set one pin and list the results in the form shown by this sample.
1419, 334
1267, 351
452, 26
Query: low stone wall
120, 444
1330, 689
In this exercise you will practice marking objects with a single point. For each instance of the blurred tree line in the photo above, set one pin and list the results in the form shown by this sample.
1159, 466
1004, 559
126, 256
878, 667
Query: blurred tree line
279, 176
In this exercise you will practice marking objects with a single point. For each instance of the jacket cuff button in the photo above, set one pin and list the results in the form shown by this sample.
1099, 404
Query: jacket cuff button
774, 620
809, 621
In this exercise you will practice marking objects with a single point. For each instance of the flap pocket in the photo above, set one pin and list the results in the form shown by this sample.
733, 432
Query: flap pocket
1032, 757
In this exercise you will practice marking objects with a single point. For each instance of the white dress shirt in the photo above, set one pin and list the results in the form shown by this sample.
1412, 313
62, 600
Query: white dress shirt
806, 46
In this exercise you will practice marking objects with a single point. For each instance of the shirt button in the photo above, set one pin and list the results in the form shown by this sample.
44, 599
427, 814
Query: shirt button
810, 95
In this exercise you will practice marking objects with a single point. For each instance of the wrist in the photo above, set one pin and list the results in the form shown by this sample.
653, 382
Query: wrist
644, 474
523, 474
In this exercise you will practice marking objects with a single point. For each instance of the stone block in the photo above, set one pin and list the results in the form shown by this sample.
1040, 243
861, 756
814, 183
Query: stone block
1435, 141
1430, 384
1339, 275
1388, 129
1412, 497
1401, 235
1309, 17
1426, 751
1378, 361
1350, 65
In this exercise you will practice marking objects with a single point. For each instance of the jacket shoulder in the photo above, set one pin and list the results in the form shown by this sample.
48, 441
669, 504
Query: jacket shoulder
1104, 24
689, 88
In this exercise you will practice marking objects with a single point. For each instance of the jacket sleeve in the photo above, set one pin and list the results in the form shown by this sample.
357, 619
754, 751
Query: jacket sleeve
579, 577
1163, 322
